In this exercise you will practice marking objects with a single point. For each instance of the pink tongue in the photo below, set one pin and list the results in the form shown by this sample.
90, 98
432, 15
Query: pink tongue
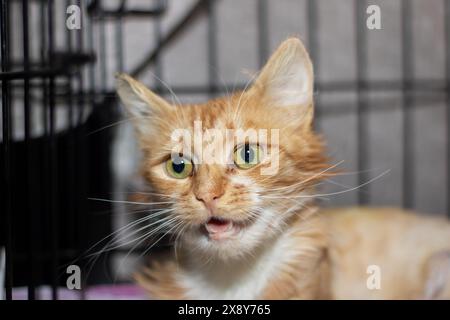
217, 226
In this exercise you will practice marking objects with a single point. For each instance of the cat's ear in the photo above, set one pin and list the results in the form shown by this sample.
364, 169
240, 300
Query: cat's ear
287, 79
141, 103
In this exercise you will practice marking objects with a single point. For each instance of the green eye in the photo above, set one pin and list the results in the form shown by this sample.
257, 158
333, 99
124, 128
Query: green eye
179, 167
247, 156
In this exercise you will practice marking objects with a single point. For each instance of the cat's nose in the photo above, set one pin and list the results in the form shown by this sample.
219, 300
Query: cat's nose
209, 200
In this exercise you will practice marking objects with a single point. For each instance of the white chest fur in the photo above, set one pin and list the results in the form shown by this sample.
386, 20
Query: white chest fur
245, 278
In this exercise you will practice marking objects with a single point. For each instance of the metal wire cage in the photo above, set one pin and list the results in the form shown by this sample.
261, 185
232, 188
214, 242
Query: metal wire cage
53, 100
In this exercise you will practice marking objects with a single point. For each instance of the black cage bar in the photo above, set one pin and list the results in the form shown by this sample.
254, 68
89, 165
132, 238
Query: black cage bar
47, 220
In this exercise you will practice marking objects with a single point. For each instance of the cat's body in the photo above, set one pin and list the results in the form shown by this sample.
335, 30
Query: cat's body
410, 252
328, 256
245, 221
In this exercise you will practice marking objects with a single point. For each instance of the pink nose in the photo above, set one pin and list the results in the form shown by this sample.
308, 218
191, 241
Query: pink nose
209, 200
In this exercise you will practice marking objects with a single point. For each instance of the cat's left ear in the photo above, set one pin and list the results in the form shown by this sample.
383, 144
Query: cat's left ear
287, 79
141, 103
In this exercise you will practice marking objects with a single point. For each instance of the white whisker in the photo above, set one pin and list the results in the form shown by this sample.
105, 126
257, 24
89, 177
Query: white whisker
331, 193
131, 202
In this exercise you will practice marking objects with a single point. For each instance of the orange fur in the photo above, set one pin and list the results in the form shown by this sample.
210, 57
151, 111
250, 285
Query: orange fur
400, 242
283, 248
160, 282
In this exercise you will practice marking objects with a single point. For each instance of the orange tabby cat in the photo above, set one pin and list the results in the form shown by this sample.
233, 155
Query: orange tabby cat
242, 234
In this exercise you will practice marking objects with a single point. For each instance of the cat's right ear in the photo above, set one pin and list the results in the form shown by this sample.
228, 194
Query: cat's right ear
141, 103
286, 83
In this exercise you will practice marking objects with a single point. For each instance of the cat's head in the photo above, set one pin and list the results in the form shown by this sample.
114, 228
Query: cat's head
230, 189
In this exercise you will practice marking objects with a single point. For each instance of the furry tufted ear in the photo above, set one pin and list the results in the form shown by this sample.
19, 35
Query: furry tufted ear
287, 79
141, 103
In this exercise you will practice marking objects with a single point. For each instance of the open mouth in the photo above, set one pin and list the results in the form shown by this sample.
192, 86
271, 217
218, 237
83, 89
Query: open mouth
219, 228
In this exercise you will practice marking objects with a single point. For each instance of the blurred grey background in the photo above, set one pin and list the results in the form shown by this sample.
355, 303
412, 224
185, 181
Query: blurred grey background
243, 40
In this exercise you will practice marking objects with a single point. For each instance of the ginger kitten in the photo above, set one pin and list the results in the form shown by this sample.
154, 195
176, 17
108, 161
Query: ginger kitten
246, 224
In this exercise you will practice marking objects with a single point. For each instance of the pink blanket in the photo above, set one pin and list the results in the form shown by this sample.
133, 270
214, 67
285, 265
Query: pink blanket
98, 292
